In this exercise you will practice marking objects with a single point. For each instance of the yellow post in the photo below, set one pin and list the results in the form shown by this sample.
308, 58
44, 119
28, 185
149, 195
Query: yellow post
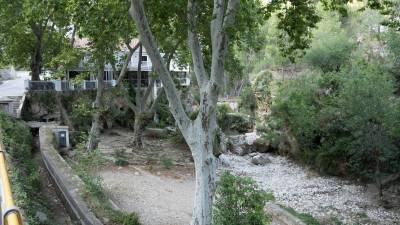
12, 216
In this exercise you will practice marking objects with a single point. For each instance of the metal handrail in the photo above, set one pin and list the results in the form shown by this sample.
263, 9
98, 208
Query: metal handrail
10, 213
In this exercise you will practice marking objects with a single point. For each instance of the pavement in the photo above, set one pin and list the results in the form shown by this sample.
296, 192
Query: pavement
14, 87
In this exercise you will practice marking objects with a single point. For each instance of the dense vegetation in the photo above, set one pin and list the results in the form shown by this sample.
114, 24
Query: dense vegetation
341, 104
240, 201
24, 173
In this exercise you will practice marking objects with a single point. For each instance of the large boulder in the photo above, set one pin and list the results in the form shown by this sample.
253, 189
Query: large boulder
239, 145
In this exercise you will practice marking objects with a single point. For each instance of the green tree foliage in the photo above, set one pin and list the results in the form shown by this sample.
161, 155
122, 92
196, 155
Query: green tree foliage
105, 23
296, 20
240, 201
331, 47
393, 43
24, 175
32, 32
345, 122
262, 89
247, 100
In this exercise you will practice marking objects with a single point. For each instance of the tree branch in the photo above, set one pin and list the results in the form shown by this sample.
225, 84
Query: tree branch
153, 107
126, 63
194, 45
220, 37
138, 91
137, 12
130, 104
149, 89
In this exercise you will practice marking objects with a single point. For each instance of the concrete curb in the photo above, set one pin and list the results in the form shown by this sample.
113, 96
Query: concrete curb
69, 185
281, 216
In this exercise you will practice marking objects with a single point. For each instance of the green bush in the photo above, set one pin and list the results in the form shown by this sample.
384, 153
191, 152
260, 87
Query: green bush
240, 201
393, 43
239, 122
331, 48
346, 123
24, 174
222, 115
247, 101
262, 89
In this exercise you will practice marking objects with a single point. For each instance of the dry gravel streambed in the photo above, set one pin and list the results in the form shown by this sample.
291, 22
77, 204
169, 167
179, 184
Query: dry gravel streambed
305, 191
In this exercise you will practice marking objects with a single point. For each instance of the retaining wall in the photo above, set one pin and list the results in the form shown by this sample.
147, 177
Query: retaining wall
69, 185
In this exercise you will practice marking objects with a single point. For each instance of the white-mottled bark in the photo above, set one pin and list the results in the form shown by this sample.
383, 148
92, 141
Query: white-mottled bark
199, 134
94, 133
195, 48
147, 39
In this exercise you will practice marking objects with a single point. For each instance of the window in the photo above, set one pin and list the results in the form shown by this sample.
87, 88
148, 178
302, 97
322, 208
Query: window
144, 58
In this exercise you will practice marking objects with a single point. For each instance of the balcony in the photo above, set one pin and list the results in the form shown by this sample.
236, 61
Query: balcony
64, 85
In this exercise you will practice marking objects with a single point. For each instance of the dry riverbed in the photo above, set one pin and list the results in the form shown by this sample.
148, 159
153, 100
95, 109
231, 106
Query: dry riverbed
159, 185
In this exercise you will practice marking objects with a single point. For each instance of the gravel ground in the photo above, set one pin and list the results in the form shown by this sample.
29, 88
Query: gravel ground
164, 197
158, 200
308, 192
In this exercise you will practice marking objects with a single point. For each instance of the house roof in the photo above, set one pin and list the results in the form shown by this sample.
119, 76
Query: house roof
85, 43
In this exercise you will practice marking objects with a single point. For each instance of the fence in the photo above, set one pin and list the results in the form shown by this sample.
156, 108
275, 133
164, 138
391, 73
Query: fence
63, 85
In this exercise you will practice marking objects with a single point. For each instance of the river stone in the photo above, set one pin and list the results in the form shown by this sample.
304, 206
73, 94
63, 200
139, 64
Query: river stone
259, 159
224, 160
239, 146
262, 146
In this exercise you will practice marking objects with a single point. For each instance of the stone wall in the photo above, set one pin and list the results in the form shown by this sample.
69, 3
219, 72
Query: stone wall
70, 186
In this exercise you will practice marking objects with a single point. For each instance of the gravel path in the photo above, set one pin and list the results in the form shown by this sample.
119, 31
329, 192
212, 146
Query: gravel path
305, 191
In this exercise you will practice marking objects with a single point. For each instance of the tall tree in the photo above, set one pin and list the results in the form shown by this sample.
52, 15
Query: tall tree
208, 47
33, 32
103, 43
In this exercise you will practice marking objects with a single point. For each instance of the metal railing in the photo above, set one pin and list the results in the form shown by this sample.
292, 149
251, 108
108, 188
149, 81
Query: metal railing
65, 85
10, 214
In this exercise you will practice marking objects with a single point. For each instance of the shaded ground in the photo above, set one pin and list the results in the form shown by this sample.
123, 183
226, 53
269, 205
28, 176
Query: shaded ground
158, 199
158, 184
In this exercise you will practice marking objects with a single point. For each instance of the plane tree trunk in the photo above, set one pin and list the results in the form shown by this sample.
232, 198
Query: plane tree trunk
37, 58
94, 133
200, 133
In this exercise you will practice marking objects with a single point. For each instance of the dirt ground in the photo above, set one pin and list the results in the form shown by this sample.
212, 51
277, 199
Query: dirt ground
158, 184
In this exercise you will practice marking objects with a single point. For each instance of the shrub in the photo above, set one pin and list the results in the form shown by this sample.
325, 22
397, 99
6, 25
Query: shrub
345, 123
247, 101
295, 107
222, 115
239, 122
331, 48
368, 106
262, 89
24, 174
239, 201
